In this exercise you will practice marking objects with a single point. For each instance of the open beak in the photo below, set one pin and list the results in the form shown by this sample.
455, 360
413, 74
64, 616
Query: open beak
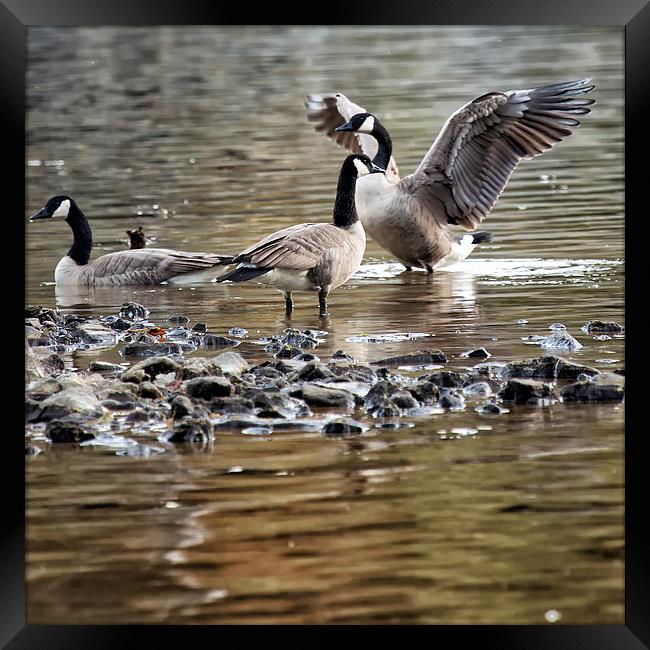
41, 214
345, 127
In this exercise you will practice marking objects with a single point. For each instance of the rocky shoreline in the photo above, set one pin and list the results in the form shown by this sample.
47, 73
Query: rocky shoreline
168, 398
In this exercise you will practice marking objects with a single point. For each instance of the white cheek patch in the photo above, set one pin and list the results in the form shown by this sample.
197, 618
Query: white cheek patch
62, 210
367, 125
362, 170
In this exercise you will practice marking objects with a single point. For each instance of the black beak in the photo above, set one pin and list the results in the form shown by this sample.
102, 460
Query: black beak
345, 127
43, 213
375, 169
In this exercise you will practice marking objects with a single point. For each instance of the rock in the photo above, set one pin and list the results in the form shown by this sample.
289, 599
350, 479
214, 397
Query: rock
154, 366
418, 359
231, 362
133, 311
117, 405
605, 387
142, 349
211, 341
276, 405
450, 399
69, 401
138, 415
134, 376
557, 326
208, 387
316, 395
232, 405
36, 338
117, 323
303, 340
602, 326
42, 389
178, 319
32, 450
181, 406
353, 372
313, 371
193, 430
560, 341
339, 356
238, 332
147, 390
105, 367
94, 333
478, 389
200, 367
546, 367
283, 351
178, 334
425, 392
33, 367
307, 357
200, 327
490, 408
69, 430
444, 379
404, 401
478, 352
342, 429
380, 393
528, 391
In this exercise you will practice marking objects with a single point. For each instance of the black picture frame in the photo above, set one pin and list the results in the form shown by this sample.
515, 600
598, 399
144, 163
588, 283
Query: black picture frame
632, 15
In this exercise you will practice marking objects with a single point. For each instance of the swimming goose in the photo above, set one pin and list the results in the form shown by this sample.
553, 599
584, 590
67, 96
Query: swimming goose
130, 267
311, 256
461, 176
136, 238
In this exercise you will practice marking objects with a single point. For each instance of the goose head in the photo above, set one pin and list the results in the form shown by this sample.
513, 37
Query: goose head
358, 164
57, 206
361, 123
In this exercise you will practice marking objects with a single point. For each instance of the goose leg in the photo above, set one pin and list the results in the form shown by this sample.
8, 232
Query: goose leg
288, 303
407, 267
429, 268
323, 292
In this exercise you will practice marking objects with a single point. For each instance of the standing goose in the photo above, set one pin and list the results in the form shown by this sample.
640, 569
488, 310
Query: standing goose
130, 267
461, 176
311, 256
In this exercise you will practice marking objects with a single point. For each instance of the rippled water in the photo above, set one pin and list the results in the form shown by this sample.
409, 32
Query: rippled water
199, 135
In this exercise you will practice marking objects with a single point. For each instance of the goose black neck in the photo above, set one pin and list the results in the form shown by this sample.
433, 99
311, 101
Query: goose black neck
83, 238
345, 211
385, 145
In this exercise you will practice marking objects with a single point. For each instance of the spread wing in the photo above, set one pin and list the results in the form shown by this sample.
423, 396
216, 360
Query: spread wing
478, 148
151, 265
326, 112
297, 248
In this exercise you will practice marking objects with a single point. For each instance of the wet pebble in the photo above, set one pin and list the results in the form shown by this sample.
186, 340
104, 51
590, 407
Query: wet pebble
602, 326
528, 391
478, 352
342, 428
416, 359
201, 327
238, 332
178, 319
133, 311
69, 430
208, 387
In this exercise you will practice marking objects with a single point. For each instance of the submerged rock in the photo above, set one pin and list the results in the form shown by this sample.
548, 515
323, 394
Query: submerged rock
602, 326
560, 340
200, 327
133, 311
208, 341
105, 367
478, 352
142, 349
316, 395
490, 408
425, 392
451, 399
238, 332
546, 367
178, 319
69, 430
605, 387
342, 428
192, 430
418, 359
528, 391
445, 378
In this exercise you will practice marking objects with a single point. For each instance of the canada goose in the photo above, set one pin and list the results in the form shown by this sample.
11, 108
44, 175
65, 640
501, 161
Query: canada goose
311, 256
461, 176
136, 238
140, 266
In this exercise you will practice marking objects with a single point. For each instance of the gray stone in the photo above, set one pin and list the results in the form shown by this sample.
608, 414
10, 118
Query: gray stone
208, 387
418, 359
231, 362
528, 391
68, 401
316, 395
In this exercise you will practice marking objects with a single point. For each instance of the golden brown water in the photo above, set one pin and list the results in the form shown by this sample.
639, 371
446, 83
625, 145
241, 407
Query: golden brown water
199, 135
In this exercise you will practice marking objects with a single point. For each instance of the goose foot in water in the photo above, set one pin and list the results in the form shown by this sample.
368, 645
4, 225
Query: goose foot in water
288, 303
407, 267
322, 302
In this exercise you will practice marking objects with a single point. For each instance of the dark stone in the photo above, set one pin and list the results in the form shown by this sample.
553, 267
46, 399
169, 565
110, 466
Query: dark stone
339, 429
191, 430
181, 406
133, 311
239, 332
603, 326
444, 379
200, 327
339, 355
178, 319
199, 367
353, 372
70, 430
451, 400
424, 392
32, 450
296, 338
527, 391
67, 402
606, 387
489, 408
385, 410
43, 389
286, 352
403, 400
154, 366
323, 396
313, 371
546, 367
479, 352
232, 405
379, 393
418, 359
208, 387
307, 357
277, 405
117, 405
103, 366
214, 341
119, 324
139, 349
137, 416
